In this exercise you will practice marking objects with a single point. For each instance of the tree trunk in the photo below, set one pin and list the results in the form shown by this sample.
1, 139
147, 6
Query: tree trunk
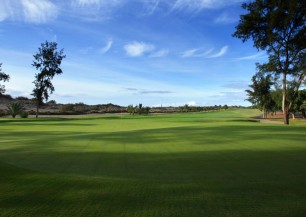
285, 110
37, 108
293, 115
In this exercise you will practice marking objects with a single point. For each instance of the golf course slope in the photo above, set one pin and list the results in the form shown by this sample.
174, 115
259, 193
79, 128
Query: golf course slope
194, 164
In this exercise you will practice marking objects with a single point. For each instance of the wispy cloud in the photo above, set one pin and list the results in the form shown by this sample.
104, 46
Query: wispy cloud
160, 53
260, 55
137, 49
32, 11
238, 85
151, 6
195, 52
39, 11
107, 47
198, 5
225, 18
99, 3
144, 92
95, 10
222, 52
189, 53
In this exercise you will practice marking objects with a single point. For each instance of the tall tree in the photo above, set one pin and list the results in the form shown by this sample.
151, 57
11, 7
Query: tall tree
278, 27
47, 61
3, 77
260, 94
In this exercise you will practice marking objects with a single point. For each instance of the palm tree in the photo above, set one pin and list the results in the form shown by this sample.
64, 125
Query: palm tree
15, 109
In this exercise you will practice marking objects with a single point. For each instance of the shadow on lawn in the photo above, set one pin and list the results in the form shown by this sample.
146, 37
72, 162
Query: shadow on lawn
184, 153
232, 170
243, 183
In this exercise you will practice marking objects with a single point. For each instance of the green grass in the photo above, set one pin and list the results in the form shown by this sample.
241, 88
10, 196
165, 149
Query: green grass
204, 164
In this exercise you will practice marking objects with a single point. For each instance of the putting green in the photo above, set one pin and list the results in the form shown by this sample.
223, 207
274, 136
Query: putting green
203, 164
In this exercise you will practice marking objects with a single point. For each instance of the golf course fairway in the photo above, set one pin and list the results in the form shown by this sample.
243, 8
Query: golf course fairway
193, 164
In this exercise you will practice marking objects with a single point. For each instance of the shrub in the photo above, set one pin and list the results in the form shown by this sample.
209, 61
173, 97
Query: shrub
24, 114
15, 109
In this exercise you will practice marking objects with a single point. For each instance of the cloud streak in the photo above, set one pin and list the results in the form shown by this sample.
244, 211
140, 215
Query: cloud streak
225, 18
145, 92
31, 11
198, 5
195, 52
221, 53
160, 53
107, 47
260, 55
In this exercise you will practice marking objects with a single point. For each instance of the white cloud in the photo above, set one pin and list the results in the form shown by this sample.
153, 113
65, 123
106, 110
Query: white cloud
197, 5
136, 49
225, 18
39, 11
97, 2
107, 46
196, 53
259, 55
190, 53
151, 6
192, 103
95, 10
32, 11
160, 53
222, 52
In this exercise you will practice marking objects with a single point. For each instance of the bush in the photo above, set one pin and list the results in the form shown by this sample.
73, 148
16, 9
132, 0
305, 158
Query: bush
22, 98
67, 108
15, 109
24, 114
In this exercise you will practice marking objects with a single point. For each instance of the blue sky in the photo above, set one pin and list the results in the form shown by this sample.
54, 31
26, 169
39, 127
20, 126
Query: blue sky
169, 52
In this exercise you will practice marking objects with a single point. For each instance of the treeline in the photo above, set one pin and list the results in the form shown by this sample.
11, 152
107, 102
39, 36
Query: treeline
266, 94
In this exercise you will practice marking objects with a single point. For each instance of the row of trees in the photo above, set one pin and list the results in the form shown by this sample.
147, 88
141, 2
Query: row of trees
266, 95
278, 27
47, 61
138, 109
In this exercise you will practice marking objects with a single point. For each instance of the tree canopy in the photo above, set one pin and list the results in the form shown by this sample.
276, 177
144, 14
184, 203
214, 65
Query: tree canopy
3, 77
278, 27
47, 61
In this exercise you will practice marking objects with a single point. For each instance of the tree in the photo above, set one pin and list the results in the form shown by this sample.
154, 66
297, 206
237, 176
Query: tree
299, 103
278, 27
260, 94
15, 109
47, 61
3, 77
131, 109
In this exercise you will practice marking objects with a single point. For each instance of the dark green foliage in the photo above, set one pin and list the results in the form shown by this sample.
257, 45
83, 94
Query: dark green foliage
3, 77
22, 98
299, 102
15, 109
24, 114
68, 108
47, 61
260, 93
278, 27
138, 109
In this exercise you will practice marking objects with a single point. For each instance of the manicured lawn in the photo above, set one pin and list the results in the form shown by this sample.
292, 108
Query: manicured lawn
205, 164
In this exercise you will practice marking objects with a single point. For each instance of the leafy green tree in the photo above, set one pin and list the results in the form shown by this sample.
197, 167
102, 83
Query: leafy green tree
260, 93
47, 61
3, 77
278, 27
15, 109
299, 102
140, 109
131, 109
